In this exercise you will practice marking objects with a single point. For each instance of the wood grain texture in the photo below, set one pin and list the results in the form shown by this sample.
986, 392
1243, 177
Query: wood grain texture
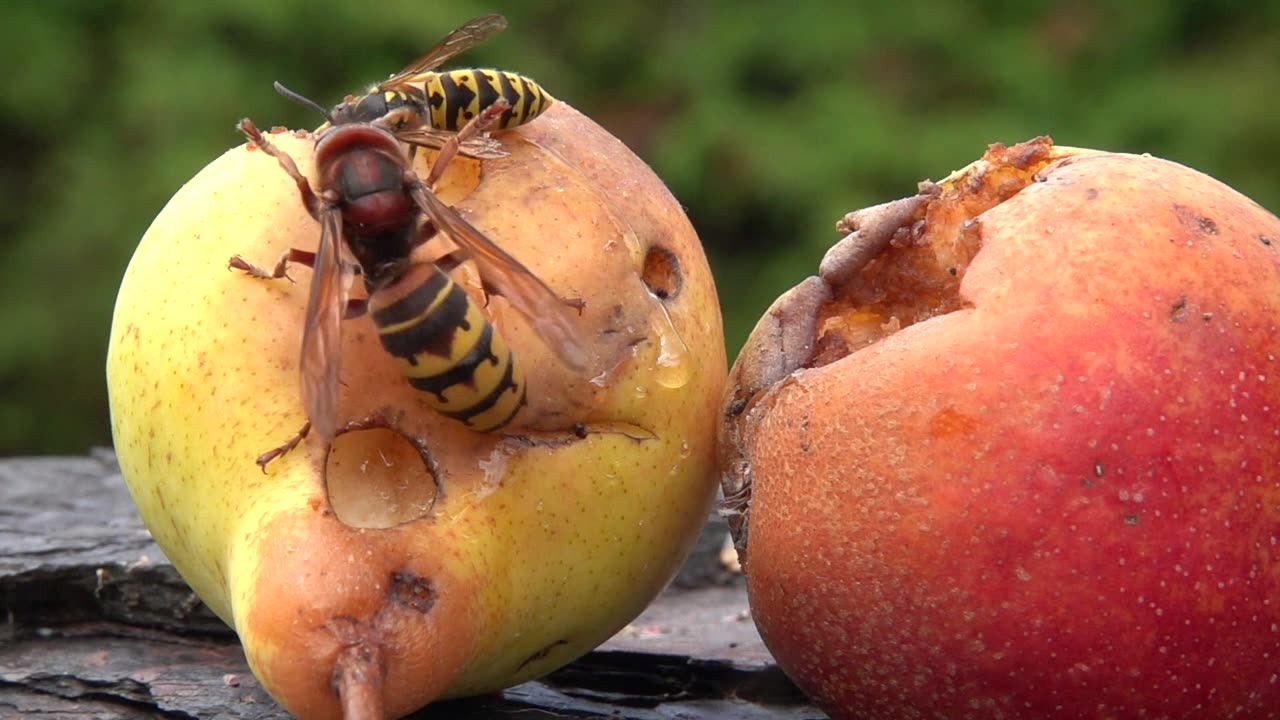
99, 625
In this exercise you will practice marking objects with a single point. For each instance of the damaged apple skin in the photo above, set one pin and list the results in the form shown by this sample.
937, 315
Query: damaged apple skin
1053, 493
421, 559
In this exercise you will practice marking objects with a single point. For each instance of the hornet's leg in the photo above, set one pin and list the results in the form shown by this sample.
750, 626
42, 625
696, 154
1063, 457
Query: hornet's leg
290, 444
355, 306
281, 269
452, 259
309, 198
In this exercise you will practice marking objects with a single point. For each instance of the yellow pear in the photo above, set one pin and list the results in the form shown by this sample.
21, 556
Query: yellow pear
421, 560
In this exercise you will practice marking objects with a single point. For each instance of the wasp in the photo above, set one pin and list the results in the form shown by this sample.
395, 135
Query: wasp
373, 207
425, 107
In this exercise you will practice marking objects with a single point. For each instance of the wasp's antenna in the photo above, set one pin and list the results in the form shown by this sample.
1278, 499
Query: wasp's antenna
303, 100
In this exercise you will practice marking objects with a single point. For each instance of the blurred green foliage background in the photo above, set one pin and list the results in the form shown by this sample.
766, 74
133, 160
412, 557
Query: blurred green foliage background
768, 120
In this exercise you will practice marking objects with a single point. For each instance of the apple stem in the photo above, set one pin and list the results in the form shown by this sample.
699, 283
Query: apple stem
357, 677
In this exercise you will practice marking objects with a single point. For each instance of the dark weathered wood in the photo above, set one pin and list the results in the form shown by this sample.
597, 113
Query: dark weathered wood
99, 625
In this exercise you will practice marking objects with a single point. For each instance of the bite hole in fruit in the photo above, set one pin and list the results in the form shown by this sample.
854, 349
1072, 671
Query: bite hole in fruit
379, 478
923, 245
661, 273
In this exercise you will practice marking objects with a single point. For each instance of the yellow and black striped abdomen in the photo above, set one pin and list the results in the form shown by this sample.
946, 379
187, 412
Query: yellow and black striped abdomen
456, 96
448, 348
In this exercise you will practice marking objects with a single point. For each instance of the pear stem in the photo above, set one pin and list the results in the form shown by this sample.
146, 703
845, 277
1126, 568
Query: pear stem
357, 677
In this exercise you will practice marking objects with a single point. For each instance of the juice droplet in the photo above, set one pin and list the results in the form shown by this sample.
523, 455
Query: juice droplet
673, 354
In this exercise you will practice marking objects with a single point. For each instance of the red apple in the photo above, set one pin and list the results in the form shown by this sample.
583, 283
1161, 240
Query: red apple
1015, 452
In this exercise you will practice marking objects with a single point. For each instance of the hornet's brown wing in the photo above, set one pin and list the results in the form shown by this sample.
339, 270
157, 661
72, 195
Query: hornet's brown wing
555, 319
322, 334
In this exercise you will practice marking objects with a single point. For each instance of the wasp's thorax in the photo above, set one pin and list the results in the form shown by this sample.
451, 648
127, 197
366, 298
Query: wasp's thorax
400, 105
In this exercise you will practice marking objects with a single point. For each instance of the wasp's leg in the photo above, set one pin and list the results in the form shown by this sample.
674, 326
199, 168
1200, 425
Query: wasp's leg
476, 126
398, 119
402, 117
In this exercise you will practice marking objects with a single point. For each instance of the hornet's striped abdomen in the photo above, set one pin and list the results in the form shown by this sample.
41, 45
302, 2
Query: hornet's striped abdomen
456, 96
448, 348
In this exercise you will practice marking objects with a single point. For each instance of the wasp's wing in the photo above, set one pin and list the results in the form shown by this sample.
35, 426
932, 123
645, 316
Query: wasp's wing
472, 33
554, 319
484, 147
322, 334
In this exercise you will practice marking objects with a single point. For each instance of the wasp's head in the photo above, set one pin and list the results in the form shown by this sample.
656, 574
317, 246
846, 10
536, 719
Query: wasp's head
347, 111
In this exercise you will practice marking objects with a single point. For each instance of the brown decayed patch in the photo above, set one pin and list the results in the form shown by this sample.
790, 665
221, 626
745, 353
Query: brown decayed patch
1194, 221
412, 591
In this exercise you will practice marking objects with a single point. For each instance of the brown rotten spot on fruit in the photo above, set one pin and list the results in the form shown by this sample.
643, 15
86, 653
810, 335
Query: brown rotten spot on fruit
1012, 452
